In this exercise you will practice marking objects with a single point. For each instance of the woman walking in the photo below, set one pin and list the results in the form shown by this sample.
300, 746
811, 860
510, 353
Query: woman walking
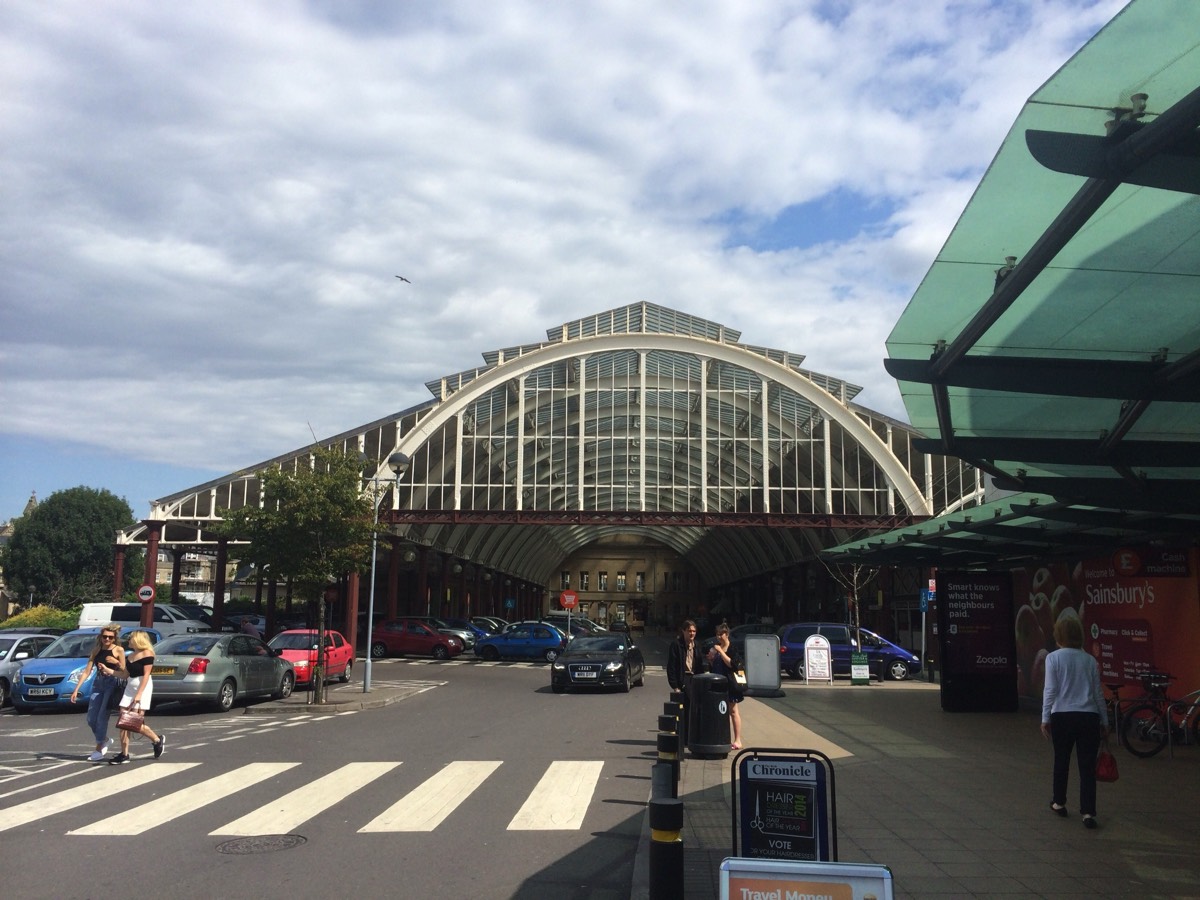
138, 693
1074, 716
108, 661
723, 662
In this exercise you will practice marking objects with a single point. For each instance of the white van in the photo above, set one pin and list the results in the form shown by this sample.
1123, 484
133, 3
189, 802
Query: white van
169, 619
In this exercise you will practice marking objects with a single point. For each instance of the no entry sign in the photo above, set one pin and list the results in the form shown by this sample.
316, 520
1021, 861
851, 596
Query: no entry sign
146, 593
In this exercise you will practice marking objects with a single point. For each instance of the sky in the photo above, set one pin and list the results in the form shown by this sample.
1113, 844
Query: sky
203, 207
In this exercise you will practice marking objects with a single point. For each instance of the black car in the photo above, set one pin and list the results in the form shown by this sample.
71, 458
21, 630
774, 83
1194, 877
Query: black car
598, 661
737, 637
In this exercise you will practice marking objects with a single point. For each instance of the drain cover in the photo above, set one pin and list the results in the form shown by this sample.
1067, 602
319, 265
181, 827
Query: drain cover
263, 843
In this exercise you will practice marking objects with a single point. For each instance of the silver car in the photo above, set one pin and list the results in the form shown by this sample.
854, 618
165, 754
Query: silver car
219, 668
15, 649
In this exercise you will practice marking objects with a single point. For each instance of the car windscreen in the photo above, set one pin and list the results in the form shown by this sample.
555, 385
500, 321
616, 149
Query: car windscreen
70, 646
597, 645
293, 642
186, 645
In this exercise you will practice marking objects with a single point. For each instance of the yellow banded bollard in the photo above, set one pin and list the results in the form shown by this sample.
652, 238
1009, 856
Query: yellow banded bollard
666, 849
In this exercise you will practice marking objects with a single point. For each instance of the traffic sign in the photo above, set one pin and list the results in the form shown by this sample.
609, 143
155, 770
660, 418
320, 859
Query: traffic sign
568, 599
146, 593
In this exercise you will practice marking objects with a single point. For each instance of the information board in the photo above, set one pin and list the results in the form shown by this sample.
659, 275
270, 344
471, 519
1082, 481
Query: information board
818, 661
745, 878
978, 648
785, 806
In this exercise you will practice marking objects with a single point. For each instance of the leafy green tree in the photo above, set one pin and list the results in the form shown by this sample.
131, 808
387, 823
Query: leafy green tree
313, 525
62, 551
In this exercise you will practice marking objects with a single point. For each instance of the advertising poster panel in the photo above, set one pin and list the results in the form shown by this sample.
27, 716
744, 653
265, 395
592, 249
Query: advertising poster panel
1139, 607
784, 806
979, 659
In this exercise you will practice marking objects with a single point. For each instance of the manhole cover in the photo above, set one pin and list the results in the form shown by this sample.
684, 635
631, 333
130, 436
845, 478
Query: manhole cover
263, 843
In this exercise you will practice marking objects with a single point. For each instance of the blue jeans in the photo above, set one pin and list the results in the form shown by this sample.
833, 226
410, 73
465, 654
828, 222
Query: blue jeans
103, 689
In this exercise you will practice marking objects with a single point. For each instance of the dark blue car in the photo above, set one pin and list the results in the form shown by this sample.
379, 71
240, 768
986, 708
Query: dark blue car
882, 655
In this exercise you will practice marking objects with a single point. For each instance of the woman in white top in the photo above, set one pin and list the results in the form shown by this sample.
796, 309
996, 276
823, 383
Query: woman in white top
1074, 716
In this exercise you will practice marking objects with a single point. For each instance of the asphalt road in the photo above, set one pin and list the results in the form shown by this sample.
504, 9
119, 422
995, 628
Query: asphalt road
483, 784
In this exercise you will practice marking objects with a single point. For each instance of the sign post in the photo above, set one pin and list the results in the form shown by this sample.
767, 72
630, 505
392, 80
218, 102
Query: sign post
568, 600
146, 593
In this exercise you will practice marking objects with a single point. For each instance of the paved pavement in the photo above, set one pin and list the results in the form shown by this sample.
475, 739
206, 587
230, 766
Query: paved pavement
955, 804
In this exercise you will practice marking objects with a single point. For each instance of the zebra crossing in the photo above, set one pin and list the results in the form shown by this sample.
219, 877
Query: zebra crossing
559, 801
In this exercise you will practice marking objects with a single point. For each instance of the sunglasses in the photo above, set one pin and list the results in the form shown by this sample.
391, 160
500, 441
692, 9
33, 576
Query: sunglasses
108, 637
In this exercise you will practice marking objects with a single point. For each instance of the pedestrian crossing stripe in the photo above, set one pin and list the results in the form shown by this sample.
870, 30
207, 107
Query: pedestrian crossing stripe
32, 810
560, 798
164, 809
428, 806
292, 810
559, 801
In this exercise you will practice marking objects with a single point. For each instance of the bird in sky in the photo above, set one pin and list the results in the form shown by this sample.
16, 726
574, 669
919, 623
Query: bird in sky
405, 280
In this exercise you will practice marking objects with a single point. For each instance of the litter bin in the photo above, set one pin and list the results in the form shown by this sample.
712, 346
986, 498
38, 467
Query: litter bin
708, 716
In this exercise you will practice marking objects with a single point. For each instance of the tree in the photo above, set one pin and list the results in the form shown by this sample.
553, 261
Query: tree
853, 578
314, 524
62, 551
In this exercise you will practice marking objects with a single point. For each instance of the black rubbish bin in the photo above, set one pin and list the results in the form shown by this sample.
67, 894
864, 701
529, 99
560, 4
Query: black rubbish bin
708, 716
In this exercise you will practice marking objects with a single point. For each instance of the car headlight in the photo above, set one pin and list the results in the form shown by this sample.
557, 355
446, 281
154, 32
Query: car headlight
558, 666
73, 678
614, 666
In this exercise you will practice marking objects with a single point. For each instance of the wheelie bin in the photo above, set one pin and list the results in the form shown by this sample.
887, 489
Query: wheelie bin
708, 716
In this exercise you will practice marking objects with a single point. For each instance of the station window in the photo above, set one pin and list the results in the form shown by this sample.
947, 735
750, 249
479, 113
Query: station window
620, 581
565, 581
676, 581
583, 581
602, 581
639, 583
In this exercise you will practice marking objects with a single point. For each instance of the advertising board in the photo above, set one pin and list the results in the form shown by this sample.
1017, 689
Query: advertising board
978, 652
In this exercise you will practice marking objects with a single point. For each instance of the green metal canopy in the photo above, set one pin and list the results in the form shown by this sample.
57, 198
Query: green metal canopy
1055, 341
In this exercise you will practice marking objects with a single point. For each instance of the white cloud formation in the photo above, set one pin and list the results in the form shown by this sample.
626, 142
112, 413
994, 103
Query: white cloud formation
206, 204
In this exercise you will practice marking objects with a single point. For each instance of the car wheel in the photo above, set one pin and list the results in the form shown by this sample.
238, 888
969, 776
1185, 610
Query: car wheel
558, 688
625, 681
641, 679
897, 670
345, 679
551, 655
4, 698
490, 653
226, 695
440, 652
285, 686
378, 650
798, 668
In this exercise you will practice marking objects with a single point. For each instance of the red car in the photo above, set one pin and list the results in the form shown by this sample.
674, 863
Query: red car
299, 647
405, 637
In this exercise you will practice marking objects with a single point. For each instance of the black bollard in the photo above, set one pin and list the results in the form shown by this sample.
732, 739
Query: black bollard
666, 849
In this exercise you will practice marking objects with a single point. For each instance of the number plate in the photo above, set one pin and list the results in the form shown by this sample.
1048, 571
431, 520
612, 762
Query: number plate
162, 670
40, 692
585, 674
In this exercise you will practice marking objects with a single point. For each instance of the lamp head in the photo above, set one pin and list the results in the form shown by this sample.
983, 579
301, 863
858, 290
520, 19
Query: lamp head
399, 463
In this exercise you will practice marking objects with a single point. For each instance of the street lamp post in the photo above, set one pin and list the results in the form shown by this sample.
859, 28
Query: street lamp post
398, 463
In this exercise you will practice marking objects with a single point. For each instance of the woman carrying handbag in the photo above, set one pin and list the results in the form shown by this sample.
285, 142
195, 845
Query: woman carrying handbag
138, 693
723, 662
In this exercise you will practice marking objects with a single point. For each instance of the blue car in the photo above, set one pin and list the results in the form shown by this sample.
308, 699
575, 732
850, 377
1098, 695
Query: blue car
47, 681
525, 640
882, 655
468, 625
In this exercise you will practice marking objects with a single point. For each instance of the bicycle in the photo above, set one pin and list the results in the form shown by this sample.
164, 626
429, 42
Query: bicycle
1161, 720
1115, 706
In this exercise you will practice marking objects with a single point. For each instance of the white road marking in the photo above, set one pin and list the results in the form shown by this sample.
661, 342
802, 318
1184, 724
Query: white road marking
294, 809
428, 805
561, 798
180, 803
100, 789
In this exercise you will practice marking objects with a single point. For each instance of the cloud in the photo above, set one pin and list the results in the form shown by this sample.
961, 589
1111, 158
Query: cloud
206, 205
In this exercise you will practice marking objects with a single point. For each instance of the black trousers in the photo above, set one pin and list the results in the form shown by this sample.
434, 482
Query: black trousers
1078, 731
